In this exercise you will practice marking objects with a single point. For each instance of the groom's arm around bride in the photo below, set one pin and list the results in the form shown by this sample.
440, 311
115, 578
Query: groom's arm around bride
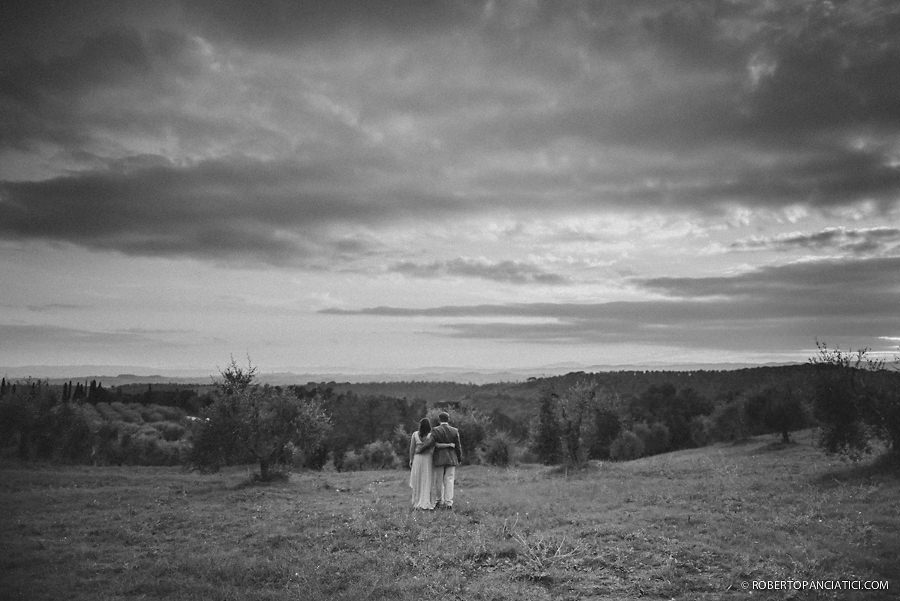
445, 462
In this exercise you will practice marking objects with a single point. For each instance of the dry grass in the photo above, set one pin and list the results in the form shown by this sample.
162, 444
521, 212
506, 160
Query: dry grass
688, 525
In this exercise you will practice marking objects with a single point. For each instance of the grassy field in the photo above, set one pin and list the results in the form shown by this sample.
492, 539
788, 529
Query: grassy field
687, 525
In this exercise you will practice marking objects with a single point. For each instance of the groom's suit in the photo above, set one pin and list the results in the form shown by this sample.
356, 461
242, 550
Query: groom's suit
444, 462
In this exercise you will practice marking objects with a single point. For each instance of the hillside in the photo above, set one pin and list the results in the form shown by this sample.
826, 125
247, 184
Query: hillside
519, 400
691, 525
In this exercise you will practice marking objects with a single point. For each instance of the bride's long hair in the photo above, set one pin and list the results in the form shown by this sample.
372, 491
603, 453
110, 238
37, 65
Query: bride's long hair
424, 427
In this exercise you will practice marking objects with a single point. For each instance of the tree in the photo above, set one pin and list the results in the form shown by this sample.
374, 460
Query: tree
626, 446
656, 437
856, 400
574, 410
778, 410
673, 408
545, 436
701, 427
312, 425
565, 424
607, 424
260, 423
270, 418
729, 421
236, 379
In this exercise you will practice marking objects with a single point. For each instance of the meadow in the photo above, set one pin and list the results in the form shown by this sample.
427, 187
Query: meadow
687, 525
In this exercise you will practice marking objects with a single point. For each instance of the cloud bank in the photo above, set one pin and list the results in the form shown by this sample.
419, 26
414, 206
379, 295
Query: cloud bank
223, 131
782, 304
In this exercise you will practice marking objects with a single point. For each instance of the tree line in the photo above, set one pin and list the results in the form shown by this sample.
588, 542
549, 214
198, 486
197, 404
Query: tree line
852, 399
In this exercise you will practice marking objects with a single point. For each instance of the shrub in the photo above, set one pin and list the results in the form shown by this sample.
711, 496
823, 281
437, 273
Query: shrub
166, 413
107, 450
499, 449
378, 455
106, 412
314, 459
351, 461
642, 431
129, 413
400, 441
150, 414
170, 430
655, 437
729, 421
72, 435
143, 448
92, 417
626, 446
701, 427
526, 455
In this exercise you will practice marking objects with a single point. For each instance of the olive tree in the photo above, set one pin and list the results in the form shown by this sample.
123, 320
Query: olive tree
252, 422
856, 400
777, 410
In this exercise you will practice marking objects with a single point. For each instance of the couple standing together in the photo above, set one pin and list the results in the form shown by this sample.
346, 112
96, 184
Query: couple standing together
434, 454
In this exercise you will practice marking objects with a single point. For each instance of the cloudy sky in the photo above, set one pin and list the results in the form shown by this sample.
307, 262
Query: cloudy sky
378, 185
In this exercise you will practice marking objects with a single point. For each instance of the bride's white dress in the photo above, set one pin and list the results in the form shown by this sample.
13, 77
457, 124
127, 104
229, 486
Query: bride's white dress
421, 473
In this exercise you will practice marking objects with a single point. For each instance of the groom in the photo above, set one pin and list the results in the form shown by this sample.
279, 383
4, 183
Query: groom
445, 462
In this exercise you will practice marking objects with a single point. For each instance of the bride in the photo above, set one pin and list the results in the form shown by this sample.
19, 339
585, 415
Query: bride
421, 448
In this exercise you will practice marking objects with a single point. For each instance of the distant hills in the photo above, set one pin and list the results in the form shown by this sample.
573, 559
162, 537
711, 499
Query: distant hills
110, 375
121, 375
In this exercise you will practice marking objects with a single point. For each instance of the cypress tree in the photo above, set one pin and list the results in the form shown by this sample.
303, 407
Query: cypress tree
547, 443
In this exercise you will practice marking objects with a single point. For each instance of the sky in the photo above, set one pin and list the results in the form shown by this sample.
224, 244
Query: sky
383, 185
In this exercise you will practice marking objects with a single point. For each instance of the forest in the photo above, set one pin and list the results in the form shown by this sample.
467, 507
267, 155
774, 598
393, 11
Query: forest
568, 419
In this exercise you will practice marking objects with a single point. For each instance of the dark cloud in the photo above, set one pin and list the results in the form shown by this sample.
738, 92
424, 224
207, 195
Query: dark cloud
783, 307
43, 307
823, 283
273, 120
695, 33
824, 179
214, 209
41, 336
117, 79
871, 241
826, 65
710, 324
275, 24
53, 307
828, 178
509, 272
